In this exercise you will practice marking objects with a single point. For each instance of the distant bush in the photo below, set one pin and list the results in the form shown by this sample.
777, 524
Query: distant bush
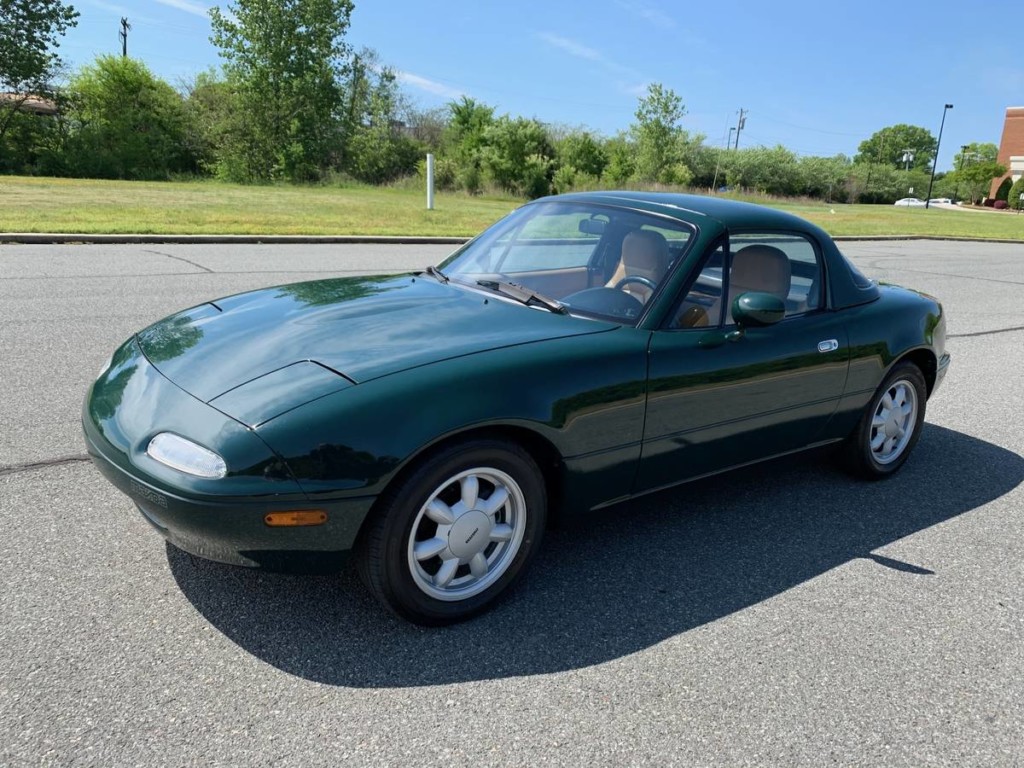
1015, 192
1000, 205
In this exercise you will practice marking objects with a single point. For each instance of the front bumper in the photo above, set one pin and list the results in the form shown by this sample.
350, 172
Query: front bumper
223, 519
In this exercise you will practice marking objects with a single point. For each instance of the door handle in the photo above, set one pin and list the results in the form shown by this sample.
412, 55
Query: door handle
828, 345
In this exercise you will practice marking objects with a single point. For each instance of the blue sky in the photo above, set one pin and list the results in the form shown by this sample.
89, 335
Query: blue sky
817, 77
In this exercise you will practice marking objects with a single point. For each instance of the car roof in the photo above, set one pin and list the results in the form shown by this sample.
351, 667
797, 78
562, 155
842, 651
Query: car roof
733, 214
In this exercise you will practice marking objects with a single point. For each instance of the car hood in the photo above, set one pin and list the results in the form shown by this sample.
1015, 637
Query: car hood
345, 331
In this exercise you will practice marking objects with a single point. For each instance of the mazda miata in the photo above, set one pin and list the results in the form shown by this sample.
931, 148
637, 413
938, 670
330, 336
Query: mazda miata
584, 350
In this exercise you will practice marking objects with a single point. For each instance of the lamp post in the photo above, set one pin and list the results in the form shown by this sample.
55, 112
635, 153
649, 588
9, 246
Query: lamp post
935, 162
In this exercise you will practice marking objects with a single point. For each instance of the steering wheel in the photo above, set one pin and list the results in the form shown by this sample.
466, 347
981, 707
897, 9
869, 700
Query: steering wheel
628, 279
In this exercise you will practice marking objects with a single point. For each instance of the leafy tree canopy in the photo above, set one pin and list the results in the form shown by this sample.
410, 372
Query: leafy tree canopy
888, 146
131, 125
30, 31
285, 58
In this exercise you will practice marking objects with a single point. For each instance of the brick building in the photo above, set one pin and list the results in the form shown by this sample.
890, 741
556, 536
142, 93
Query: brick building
1011, 148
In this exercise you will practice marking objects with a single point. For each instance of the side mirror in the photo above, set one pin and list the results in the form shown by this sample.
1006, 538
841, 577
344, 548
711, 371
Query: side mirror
755, 309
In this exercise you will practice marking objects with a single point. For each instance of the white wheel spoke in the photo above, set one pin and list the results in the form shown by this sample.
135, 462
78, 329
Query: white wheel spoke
879, 420
502, 532
440, 512
478, 565
495, 502
901, 397
446, 572
461, 547
889, 445
877, 440
887, 401
424, 550
470, 491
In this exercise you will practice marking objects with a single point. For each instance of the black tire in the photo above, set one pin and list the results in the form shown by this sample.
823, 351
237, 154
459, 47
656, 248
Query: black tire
389, 563
857, 454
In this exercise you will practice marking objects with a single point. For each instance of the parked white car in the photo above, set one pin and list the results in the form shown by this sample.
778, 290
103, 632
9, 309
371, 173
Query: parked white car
944, 200
911, 202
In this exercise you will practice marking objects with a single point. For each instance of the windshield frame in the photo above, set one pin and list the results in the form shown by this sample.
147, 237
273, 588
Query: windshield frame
620, 218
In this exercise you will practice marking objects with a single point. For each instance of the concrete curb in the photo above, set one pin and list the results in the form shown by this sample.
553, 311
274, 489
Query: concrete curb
59, 238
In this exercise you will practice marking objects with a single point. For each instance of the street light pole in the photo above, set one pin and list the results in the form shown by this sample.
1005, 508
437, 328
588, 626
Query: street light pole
935, 162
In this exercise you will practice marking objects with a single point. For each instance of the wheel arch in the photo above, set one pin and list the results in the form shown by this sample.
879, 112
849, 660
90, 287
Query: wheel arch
925, 360
541, 450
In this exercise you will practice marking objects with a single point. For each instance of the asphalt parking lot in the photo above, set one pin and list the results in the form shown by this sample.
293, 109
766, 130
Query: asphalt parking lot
782, 615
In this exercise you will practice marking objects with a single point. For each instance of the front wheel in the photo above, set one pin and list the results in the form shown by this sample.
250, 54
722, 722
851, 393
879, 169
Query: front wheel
449, 538
890, 426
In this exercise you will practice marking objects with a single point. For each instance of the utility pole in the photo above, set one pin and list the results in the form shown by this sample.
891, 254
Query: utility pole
740, 125
908, 158
123, 35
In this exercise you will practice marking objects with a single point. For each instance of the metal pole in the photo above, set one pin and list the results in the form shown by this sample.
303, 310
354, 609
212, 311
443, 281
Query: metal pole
935, 162
430, 182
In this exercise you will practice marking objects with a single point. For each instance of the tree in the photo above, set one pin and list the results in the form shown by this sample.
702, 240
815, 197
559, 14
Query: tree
1016, 192
581, 152
285, 60
976, 178
518, 157
464, 140
977, 152
128, 123
824, 177
887, 147
377, 151
660, 139
28, 63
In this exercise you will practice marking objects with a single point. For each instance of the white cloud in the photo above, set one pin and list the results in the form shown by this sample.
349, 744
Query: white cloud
196, 9
581, 51
648, 13
571, 47
430, 86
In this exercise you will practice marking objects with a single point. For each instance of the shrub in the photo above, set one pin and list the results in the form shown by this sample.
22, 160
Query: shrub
1000, 205
1015, 192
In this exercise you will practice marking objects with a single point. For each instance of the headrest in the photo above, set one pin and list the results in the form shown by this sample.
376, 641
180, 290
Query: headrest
760, 268
645, 253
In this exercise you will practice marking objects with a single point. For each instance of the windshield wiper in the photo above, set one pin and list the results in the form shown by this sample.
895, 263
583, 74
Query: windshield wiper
437, 273
525, 295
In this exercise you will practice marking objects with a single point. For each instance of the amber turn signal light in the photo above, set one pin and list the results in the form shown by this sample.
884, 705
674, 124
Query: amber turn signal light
295, 518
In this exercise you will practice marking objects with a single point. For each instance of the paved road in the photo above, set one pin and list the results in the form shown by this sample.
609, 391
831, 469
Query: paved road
781, 615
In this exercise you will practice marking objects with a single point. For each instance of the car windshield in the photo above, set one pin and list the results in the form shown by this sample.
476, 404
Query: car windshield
593, 260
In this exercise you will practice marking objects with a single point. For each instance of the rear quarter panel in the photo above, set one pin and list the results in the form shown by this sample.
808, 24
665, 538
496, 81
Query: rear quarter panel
881, 333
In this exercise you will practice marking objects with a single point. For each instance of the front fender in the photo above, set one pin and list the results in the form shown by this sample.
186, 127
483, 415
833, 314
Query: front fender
584, 395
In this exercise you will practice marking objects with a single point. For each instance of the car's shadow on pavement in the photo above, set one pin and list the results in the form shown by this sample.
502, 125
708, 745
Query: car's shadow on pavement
617, 582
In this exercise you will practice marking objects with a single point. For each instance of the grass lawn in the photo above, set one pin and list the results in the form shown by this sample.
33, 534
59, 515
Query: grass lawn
206, 207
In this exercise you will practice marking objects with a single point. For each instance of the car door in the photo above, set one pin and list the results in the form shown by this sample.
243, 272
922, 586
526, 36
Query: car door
720, 397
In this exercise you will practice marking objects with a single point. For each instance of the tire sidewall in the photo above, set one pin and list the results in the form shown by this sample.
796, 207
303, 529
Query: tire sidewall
403, 595
903, 372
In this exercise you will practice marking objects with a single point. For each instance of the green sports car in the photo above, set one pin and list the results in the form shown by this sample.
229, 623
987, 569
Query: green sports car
586, 349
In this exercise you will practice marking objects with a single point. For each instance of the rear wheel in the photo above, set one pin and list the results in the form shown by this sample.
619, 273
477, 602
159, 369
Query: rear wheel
890, 426
449, 538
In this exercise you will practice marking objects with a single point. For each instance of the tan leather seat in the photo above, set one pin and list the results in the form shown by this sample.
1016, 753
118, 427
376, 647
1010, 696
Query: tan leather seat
758, 268
644, 254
